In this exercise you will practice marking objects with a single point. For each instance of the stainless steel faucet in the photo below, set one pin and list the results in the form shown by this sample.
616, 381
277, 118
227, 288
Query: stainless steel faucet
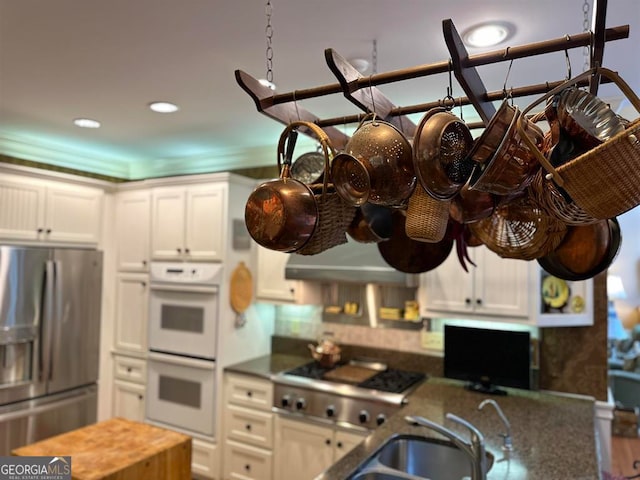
507, 443
474, 449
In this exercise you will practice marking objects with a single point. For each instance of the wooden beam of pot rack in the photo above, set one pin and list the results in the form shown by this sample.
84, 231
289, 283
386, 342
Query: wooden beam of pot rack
597, 42
266, 101
369, 99
538, 89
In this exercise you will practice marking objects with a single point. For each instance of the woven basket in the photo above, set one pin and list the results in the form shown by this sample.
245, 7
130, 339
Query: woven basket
520, 229
548, 196
605, 181
427, 217
335, 216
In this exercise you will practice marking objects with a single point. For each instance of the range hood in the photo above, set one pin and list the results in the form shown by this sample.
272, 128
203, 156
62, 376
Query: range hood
350, 262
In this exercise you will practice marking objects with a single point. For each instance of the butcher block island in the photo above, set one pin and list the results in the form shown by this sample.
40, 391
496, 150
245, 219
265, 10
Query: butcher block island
119, 449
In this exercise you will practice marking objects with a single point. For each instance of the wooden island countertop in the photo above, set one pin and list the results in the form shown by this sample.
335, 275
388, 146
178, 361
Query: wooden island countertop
119, 449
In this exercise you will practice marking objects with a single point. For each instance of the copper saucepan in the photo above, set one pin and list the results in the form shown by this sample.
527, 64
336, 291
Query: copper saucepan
282, 214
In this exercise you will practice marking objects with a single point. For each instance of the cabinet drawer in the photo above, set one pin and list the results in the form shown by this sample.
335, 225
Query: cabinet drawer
204, 459
250, 426
130, 369
249, 391
246, 463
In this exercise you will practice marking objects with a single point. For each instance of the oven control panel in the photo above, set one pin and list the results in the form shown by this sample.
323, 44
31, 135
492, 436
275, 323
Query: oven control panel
186, 273
362, 412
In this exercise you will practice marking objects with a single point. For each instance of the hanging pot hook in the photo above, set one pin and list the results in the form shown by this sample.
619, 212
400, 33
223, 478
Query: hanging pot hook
373, 100
505, 93
448, 102
295, 103
568, 61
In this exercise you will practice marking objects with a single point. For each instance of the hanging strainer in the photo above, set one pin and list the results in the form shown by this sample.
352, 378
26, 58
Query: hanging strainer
441, 146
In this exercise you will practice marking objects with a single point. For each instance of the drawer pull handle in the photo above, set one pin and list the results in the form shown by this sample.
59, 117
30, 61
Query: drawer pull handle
249, 394
140, 397
248, 427
247, 467
327, 442
339, 444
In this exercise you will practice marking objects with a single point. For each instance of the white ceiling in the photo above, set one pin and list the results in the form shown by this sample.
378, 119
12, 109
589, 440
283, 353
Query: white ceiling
62, 59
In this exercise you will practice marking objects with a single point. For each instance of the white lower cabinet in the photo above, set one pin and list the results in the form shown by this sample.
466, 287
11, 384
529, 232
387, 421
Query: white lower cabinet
128, 400
248, 428
204, 459
129, 387
303, 450
244, 462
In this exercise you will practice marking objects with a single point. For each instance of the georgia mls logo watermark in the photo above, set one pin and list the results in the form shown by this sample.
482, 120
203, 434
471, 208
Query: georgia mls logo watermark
35, 468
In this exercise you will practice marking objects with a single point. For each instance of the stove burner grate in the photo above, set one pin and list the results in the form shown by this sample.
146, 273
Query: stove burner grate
391, 380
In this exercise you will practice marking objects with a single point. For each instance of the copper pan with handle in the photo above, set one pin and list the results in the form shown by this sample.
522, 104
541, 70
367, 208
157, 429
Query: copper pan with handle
282, 214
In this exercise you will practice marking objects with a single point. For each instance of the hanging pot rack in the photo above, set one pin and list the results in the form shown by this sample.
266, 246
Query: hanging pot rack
363, 91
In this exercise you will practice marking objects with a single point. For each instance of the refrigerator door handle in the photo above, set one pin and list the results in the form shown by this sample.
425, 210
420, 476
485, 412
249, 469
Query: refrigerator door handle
32, 411
46, 317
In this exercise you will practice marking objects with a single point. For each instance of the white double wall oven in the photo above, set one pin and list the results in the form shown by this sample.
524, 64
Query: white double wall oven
183, 337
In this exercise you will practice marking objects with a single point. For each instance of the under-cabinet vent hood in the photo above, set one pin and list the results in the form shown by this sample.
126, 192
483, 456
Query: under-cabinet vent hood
349, 262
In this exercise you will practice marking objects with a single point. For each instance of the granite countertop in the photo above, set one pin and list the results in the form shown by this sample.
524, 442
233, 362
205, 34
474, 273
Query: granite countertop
553, 435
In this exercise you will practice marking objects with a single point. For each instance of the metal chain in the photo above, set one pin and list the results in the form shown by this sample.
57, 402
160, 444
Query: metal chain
374, 57
586, 50
269, 33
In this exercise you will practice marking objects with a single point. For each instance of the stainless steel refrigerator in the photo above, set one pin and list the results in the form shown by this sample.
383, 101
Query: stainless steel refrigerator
49, 341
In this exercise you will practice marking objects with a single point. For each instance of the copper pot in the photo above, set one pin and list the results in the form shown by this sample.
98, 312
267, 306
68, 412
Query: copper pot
586, 251
376, 166
326, 353
513, 165
282, 214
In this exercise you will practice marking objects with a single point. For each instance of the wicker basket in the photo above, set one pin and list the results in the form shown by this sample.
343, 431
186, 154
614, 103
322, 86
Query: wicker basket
548, 196
335, 216
605, 181
520, 229
427, 217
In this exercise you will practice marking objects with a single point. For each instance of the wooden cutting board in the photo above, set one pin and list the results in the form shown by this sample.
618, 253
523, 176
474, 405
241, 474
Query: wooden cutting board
349, 374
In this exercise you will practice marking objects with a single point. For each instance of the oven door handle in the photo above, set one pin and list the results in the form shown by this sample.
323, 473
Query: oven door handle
184, 288
182, 361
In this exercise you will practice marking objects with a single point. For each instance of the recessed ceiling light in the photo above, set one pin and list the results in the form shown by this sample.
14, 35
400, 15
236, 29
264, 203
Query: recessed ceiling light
488, 34
163, 107
266, 83
86, 123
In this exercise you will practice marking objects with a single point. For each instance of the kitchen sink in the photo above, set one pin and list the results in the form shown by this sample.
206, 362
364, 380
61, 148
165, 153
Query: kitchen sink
415, 457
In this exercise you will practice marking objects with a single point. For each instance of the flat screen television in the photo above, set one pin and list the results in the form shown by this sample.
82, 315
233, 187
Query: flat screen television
487, 358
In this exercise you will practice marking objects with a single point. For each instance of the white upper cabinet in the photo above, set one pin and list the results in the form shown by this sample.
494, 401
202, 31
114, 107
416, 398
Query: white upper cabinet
133, 225
500, 289
495, 286
49, 211
188, 223
271, 283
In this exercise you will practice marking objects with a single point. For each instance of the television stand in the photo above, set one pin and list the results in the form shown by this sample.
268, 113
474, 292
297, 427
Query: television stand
485, 388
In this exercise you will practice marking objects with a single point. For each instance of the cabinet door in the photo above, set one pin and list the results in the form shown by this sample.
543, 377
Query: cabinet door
133, 220
302, 450
167, 223
501, 286
448, 288
21, 209
128, 400
244, 462
204, 459
345, 442
132, 298
205, 222
73, 214
270, 281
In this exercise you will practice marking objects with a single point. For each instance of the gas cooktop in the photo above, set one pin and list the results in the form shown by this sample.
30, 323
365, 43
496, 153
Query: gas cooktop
390, 380
346, 393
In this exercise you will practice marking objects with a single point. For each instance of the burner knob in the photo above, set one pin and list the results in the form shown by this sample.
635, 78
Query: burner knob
380, 419
301, 403
331, 411
286, 401
363, 416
